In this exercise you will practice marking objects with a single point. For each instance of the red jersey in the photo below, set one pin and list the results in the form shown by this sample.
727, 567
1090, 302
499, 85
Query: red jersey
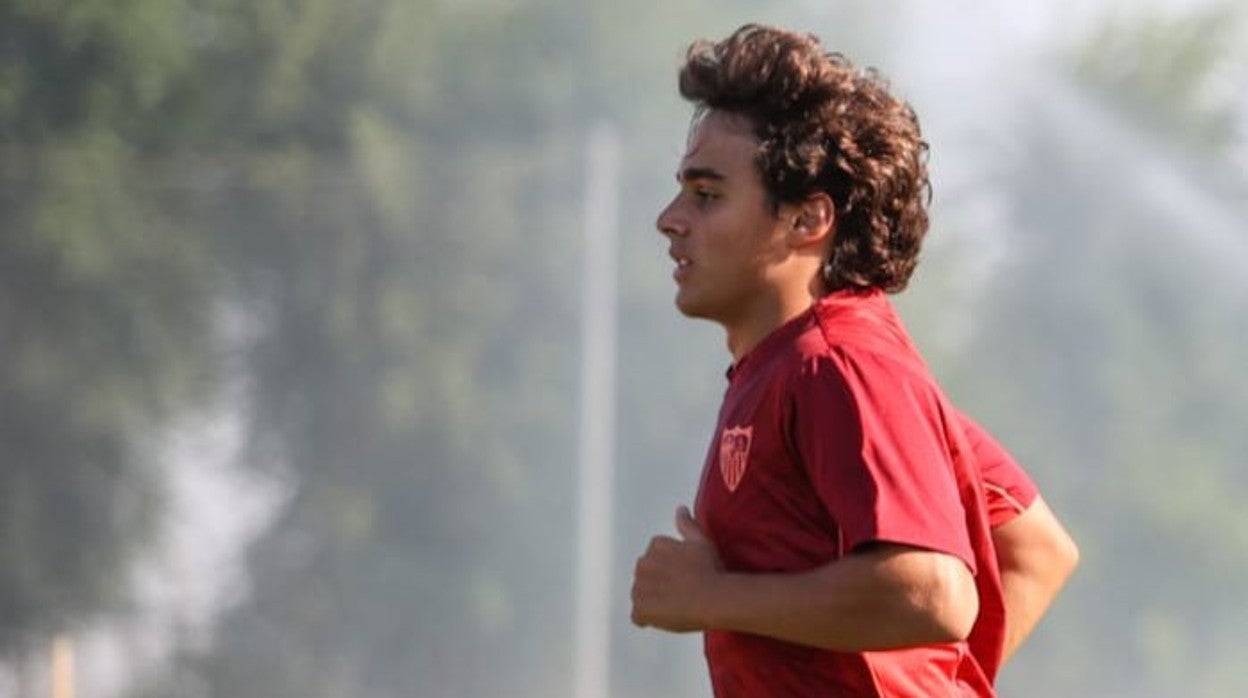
833, 434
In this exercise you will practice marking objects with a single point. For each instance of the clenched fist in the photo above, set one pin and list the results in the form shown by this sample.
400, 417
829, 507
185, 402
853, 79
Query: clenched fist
672, 578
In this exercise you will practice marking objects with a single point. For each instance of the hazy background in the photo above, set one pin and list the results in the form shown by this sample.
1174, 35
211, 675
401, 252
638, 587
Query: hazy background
290, 329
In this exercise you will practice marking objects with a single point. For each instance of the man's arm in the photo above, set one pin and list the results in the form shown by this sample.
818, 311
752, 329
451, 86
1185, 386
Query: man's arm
1034, 553
1035, 556
883, 596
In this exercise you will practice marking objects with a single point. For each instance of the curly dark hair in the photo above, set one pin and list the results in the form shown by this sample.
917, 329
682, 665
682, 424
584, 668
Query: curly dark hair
824, 125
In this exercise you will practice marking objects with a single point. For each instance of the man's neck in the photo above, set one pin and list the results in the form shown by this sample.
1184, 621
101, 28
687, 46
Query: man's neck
786, 301
750, 331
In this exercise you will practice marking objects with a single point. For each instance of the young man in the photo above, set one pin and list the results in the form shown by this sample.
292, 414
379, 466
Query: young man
853, 533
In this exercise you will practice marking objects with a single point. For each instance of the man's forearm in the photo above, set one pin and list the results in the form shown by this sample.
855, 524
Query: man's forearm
883, 598
1036, 556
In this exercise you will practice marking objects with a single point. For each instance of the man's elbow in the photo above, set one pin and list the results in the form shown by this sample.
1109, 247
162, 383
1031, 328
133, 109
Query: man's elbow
1064, 556
949, 603
1036, 546
960, 602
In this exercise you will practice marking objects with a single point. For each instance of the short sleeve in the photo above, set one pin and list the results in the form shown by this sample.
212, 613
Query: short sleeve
869, 433
1007, 487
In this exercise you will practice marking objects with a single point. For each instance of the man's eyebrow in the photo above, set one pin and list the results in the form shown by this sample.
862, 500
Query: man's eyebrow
694, 173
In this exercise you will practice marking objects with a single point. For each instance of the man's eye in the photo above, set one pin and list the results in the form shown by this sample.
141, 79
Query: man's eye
705, 195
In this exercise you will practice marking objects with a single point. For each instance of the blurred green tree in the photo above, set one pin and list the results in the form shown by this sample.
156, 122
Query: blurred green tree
1106, 354
396, 189
104, 304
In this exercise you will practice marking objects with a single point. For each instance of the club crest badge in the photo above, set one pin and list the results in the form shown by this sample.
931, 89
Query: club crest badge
734, 455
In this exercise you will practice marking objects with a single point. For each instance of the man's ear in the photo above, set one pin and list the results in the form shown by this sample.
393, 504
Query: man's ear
814, 221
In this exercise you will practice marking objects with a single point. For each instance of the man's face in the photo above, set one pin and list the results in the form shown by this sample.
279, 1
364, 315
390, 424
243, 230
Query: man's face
722, 232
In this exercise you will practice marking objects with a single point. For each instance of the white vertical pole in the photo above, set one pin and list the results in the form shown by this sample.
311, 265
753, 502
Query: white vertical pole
597, 438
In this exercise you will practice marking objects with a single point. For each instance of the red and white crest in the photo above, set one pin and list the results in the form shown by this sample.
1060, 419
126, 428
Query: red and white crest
734, 455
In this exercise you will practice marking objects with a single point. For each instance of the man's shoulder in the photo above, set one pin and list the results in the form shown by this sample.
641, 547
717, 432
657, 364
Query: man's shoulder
865, 329
859, 336
857, 359
852, 349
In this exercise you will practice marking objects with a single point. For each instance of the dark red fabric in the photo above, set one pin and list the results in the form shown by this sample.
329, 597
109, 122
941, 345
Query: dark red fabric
833, 434
1009, 489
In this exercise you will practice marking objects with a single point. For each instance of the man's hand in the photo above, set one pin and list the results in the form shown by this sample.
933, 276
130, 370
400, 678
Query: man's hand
672, 578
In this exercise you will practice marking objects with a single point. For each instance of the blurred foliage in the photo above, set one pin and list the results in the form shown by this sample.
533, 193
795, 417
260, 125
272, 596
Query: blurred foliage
104, 303
388, 194
1107, 353
1174, 73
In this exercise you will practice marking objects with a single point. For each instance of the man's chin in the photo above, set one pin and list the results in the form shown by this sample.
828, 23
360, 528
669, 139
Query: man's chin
691, 308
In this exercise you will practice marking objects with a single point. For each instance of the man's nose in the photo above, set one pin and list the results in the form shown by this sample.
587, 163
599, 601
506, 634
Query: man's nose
669, 222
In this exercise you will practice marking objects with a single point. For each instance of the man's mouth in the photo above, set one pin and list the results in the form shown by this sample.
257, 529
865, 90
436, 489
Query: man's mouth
683, 264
